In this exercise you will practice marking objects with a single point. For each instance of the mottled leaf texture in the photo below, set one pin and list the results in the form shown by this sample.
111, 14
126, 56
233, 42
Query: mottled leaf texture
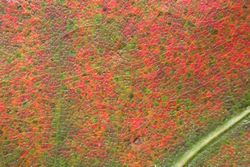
120, 82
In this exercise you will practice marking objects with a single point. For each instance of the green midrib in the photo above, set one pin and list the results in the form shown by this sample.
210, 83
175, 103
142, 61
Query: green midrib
188, 155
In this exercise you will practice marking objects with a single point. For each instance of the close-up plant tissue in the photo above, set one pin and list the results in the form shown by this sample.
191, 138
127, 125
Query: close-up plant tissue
124, 83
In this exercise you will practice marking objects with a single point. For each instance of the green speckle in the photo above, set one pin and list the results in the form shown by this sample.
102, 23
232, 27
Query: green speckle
173, 113
164, 98
178, 101
64, 88
202, 119
72, 53
75, 78
44, 4
63, 76
112, 118
18, 55
127, 73
10, 158
75, 160
19, 7
189, 74
156, 103
98, 18
100, 51
163, 39
37, 84
60, 1
179, 88
212, 61
56, 57
72, 25
117, 78
180, 122
95, 120
26, 104
213, 31
132, 45
188, 104
59, 161
147, 91
92, 58
162, 57
185, 11
131, 95
189, 24
5, 83
24, 69
79, 91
